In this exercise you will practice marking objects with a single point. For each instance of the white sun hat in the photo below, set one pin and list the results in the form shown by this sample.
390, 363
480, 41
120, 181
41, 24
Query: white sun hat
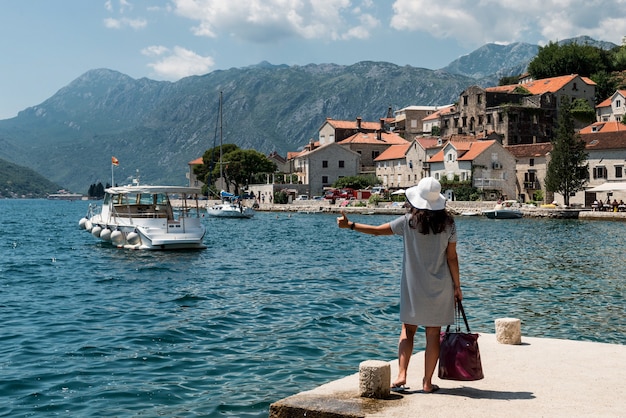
426, 195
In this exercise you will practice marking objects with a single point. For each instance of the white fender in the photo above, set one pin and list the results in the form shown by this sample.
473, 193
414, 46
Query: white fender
96, 230
105, 234
117, 238
88, 226
133, 238
82, 222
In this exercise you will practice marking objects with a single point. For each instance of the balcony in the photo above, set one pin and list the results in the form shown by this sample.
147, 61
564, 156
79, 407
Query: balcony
532, 185
486, 183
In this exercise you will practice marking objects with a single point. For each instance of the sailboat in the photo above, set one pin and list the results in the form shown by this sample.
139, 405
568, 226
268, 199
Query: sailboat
231, 206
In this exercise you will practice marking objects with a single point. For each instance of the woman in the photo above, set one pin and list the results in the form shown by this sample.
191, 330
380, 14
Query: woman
430, 280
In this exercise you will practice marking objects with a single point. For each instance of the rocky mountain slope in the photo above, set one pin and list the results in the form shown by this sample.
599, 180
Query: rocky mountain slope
157, 127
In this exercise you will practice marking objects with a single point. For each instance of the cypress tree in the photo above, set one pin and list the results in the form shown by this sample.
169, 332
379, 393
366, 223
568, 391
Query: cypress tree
567, 169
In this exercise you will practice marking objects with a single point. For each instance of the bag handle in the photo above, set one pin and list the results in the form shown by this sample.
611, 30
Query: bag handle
459, 311
459, 307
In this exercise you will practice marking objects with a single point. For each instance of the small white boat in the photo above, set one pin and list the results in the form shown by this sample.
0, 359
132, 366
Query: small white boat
142, 217
231, 207
509, 209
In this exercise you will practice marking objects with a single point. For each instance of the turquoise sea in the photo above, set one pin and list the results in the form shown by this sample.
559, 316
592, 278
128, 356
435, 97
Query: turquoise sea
276, 305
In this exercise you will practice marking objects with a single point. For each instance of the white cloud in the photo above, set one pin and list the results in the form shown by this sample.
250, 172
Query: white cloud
177, 63
274, 20
125, 22
477, 23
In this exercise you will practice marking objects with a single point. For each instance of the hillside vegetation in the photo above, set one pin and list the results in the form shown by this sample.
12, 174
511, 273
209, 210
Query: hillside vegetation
18, 182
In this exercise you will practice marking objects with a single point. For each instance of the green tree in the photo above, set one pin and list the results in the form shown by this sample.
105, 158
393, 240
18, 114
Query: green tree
555, 60
581, 110
239, 167
508, 80
567, 169
356, 182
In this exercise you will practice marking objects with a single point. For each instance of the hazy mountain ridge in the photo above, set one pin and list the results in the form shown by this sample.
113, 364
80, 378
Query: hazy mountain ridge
158, 127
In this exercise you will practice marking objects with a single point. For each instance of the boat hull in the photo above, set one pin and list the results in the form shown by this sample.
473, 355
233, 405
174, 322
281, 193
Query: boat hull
230, 211
503, 214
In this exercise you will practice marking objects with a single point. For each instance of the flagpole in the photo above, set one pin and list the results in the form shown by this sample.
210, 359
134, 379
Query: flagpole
112, 181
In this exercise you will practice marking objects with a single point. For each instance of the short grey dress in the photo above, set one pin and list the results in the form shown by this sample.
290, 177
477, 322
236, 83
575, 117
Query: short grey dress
426, 288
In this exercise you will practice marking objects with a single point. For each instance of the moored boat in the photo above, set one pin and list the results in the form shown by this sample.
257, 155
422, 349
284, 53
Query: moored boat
231, 207
509, 209
142, 217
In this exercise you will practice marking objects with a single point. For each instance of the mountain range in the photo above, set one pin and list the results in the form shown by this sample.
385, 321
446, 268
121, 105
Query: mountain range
157, 127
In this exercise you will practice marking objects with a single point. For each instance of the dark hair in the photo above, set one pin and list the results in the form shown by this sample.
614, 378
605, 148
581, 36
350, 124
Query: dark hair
425, 220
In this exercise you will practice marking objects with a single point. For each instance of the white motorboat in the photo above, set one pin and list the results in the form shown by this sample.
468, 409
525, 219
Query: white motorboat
231, 207
142, 217
508, 209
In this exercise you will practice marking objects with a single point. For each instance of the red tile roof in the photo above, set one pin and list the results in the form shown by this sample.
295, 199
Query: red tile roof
554, 84
352, 124
394, 152
372, 138
612, 126
436, 114
197, 161
475, 149
530, 150
462, 143
544, 85
428, 142
605, 140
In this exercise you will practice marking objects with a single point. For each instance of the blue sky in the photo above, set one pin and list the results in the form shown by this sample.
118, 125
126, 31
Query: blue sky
48, 43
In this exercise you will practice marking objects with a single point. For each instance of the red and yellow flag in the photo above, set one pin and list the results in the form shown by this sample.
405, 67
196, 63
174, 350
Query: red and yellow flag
115, 161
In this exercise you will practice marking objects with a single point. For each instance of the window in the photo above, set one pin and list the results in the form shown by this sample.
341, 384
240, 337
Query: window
325, 164
599, 172
325, 179
465, 100
479, 98
341, 164
618, 171
489, 118
618, 103
375, 154
531, 162
399, 179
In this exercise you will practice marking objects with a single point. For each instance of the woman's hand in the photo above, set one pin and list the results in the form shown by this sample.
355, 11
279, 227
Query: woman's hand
342, 221
458, 294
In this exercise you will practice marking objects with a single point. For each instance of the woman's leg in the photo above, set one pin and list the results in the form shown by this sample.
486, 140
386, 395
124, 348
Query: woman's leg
431, 356
405, 349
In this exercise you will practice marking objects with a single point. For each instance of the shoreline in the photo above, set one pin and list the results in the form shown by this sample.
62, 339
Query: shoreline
456, 207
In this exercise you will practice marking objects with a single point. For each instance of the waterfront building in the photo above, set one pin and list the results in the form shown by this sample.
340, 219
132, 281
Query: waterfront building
486, 162
404, 165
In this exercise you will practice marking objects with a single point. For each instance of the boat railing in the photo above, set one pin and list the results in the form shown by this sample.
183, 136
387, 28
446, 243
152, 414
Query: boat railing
140, 211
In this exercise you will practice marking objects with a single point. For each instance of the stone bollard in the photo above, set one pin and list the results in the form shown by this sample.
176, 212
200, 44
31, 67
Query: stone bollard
374, 379
508, 331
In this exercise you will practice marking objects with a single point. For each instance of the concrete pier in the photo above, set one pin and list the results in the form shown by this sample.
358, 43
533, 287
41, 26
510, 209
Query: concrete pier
541, 377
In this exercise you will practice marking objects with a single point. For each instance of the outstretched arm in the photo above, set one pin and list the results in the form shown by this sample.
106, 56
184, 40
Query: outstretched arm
384, 229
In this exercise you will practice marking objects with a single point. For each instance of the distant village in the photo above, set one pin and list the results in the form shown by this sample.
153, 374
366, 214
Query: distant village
497, 137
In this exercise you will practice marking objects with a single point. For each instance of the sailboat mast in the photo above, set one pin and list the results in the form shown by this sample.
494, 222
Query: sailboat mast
221, 137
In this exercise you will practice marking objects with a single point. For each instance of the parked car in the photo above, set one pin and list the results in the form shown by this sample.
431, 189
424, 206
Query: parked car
302, 197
